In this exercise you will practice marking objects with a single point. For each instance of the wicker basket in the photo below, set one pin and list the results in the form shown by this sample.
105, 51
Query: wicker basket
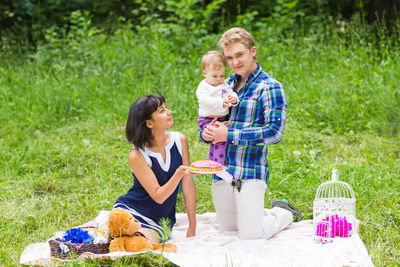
68, 250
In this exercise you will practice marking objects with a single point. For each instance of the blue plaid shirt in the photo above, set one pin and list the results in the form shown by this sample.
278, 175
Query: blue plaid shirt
256, 121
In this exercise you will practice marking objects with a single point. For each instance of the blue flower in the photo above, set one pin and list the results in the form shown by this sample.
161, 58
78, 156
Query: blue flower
77, 235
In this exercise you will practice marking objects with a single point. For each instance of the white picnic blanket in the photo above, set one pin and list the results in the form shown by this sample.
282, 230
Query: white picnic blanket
294, 246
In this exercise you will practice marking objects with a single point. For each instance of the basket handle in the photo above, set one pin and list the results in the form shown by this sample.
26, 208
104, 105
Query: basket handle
335, 175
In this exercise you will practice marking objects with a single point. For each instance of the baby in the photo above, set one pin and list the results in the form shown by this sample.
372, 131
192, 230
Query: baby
215, 98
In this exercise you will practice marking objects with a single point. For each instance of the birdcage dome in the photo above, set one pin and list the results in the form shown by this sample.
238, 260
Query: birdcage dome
334, 210
335, 189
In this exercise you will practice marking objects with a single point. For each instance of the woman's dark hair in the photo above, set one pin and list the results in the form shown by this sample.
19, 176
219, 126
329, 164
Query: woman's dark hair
136, 130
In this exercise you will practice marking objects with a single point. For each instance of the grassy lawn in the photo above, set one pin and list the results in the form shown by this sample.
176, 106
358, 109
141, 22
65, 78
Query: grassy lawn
63, 109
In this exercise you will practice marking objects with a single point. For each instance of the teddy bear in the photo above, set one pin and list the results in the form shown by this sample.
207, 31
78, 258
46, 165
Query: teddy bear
123, 227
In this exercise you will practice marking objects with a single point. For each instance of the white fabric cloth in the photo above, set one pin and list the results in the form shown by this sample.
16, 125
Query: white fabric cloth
226, 176
210, 99
294, 246
244, 211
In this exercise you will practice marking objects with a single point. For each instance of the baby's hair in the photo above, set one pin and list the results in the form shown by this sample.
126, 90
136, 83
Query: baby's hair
235, 35
213, 60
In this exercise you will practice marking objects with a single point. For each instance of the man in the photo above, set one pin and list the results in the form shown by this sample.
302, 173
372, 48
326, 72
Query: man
256, 121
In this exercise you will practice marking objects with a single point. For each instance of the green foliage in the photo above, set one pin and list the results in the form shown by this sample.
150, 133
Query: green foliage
142, 259
165, 224
26, 21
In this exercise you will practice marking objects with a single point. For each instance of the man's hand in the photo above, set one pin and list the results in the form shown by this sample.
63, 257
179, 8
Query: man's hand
207, 134
218, 132
226, 123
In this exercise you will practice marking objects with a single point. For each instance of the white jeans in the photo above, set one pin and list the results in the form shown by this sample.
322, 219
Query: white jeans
244, 211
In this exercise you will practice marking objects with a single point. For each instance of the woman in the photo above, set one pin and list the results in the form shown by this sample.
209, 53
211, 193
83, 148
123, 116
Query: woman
158, 162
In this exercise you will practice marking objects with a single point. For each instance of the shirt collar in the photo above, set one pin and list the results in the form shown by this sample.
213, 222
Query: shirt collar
251, 77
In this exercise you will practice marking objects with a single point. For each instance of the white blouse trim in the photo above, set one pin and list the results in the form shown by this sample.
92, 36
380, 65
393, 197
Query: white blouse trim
146, 152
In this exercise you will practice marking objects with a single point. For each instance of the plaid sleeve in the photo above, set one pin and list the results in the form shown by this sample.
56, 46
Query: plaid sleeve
201, 138
271, 106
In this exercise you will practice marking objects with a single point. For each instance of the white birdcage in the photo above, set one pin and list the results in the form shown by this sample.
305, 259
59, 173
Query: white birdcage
334, 211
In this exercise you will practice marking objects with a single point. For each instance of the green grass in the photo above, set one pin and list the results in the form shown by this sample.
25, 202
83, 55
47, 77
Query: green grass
63, 109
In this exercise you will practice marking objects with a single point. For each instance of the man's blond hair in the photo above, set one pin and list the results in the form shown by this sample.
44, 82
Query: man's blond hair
213, 60
235, 35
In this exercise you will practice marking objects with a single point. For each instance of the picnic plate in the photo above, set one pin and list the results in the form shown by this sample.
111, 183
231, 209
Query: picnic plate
207, 172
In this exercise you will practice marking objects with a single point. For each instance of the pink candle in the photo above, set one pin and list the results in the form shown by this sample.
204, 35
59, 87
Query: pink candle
333, 226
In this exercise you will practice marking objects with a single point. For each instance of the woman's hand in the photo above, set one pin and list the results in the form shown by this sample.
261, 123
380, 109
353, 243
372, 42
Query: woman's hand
184, 171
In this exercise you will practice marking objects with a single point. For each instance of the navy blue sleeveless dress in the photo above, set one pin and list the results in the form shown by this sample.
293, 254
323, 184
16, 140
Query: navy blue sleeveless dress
139, 202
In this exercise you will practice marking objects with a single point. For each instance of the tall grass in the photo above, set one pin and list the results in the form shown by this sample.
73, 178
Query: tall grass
63, 110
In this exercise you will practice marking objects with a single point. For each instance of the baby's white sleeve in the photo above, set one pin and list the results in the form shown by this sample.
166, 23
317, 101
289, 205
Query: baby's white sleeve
207, 103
